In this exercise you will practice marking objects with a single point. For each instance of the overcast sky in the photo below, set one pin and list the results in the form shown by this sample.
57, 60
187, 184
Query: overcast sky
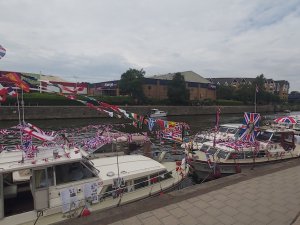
97, 40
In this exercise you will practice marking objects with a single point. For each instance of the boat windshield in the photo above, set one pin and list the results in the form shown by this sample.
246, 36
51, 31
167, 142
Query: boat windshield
238, 133
204, 148
223, 129
232, 130
222, 154
212, 151
264, 136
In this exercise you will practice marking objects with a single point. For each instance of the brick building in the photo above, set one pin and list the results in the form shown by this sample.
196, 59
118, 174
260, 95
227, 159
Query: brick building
279, 87
156, 87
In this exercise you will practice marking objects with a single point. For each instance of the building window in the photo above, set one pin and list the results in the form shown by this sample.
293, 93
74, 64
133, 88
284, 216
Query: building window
149, 87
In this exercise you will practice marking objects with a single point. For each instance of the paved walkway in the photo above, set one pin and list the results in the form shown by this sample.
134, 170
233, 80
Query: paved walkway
268, 195
270, 199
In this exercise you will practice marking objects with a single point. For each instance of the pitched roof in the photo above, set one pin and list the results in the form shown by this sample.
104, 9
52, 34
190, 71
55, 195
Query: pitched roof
230, 80
189, 76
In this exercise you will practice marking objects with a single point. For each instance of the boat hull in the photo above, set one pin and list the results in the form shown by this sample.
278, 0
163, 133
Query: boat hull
201, 171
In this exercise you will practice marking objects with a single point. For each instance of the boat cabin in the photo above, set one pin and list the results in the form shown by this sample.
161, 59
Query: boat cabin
271, 143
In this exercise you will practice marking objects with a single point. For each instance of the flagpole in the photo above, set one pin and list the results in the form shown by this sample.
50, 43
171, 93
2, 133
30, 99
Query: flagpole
20, 125
255, 99
22, 103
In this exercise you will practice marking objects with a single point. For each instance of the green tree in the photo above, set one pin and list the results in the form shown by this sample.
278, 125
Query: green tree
132, 83
225, 92
178, 94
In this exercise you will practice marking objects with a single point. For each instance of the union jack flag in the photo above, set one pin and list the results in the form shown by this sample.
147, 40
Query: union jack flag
250, 127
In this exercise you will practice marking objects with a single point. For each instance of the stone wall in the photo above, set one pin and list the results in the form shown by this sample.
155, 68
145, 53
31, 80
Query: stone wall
60, 112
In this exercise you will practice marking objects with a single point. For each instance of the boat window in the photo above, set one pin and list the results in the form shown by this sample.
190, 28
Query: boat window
264, 136
108, 191
154, 178
140, 183
164, 175
249, 155
71, 172
276, 137
261, 154
222, 154
232, 130
237, 155
212, 151
44, 178
223, 129
204, 148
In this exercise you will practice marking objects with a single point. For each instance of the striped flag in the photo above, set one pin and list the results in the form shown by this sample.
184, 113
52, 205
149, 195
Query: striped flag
2, 52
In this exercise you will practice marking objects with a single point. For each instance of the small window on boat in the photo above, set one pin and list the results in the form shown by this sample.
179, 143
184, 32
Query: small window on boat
212, 150
223, 129
140, 183
222, 154
44, 177
263, 136
204, 148
232, 130
71, 172
237, 155
107, 192
165, 175
154, 178
276, 137
249, 155
261, 154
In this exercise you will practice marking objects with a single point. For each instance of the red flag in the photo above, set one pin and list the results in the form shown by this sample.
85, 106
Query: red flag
17, 81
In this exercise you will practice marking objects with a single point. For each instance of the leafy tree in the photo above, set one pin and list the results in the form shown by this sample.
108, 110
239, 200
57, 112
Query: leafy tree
132, 83
178, 94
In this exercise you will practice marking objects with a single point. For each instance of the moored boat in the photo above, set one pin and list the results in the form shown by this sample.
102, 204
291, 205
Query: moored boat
154, 113
225, 158
59, 183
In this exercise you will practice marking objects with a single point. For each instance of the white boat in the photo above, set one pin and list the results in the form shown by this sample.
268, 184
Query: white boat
154, 113
226, 132
225, 158
62, 183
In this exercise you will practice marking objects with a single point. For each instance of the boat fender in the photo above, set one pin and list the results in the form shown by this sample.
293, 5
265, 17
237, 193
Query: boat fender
85, 212
217, 172
237, 168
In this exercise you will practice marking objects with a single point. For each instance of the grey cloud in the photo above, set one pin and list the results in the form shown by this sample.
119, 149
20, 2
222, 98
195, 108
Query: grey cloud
98, 40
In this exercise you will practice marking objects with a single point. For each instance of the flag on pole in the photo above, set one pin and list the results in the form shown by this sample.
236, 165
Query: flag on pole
2, 52
256, 89
17, 81
217, 118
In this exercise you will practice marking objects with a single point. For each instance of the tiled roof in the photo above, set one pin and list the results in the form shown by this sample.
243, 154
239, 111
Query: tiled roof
189, 76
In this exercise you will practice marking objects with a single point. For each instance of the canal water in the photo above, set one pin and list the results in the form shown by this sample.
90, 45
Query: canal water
196, 123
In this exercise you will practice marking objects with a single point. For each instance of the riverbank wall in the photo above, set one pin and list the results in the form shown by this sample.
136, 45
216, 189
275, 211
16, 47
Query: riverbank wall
72, 112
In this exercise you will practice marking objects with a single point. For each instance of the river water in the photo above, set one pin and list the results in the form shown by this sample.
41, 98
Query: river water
196, 123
